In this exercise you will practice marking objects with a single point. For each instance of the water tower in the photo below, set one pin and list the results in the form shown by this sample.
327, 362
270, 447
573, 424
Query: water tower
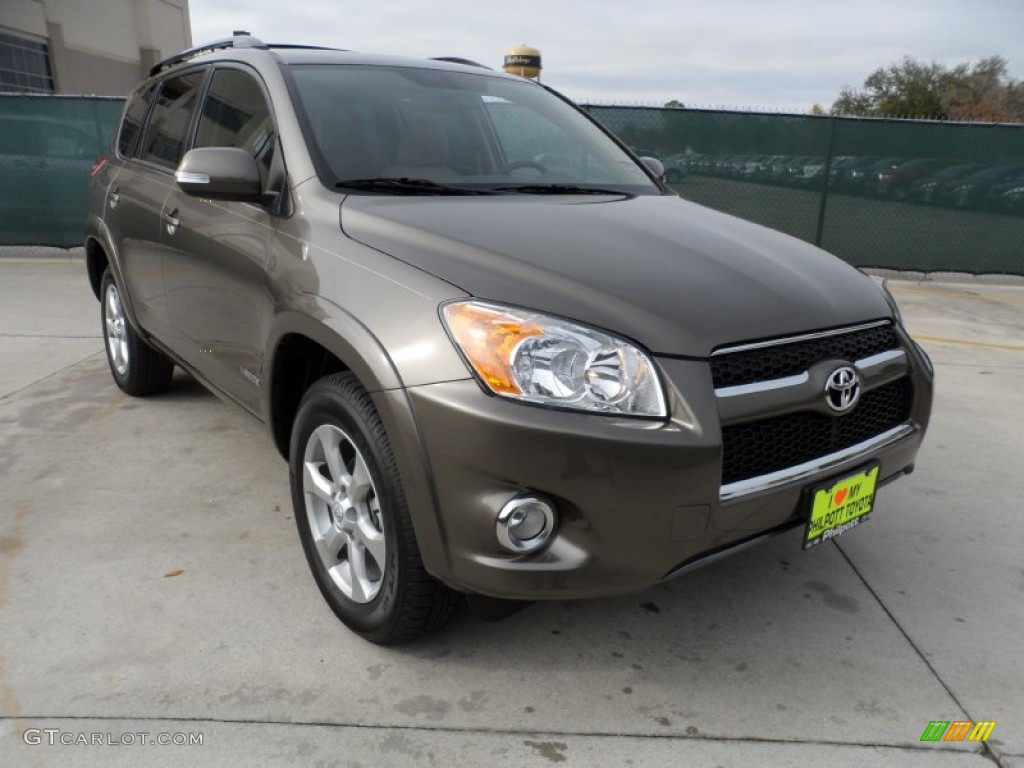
524, 61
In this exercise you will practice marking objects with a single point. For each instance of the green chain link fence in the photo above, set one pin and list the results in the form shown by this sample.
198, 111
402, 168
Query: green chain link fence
47, 146
901, 194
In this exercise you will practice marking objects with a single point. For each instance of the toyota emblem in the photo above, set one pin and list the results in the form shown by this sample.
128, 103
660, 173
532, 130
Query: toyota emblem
842, 390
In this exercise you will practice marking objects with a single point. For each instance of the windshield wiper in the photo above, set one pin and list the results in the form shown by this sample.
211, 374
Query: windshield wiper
406, 186
559, 189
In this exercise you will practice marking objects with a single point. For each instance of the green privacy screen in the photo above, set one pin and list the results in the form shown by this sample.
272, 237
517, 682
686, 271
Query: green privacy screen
902, 194
883, 193
47, 146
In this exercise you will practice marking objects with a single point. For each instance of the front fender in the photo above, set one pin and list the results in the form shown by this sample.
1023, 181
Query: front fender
351, 342
339, 332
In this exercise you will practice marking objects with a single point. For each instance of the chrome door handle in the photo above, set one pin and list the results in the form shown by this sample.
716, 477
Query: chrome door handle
115, 198
172, 221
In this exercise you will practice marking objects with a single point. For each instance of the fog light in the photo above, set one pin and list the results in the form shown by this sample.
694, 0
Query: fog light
525, 523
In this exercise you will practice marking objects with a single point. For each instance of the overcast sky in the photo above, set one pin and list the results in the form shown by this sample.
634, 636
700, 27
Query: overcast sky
771, 54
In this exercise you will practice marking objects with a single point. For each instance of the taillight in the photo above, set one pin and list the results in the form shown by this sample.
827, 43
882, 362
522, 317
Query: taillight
98, 164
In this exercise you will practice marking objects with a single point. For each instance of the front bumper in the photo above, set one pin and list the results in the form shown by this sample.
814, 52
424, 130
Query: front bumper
637, 500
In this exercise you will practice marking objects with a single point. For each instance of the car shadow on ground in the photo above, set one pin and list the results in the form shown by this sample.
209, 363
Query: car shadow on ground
183, 388
767, 596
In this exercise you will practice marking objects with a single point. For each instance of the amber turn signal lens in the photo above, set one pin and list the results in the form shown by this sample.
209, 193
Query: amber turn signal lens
488, 336
541, 359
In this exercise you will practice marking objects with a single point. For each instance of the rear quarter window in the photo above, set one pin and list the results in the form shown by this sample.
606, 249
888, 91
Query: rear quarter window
134, 114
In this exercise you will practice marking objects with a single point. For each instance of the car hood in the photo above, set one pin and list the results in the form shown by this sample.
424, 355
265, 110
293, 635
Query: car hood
679, 278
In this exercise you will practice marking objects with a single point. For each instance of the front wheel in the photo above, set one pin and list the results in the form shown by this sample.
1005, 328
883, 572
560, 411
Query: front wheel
353, 519
137, 368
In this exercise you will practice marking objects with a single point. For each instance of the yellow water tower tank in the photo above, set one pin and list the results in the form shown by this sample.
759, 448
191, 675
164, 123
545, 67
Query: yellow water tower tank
524, 61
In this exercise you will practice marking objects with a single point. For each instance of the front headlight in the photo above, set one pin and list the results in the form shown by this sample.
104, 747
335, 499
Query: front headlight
535, 358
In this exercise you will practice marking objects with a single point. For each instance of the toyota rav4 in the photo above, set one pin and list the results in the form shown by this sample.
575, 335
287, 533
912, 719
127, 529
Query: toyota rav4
501, 358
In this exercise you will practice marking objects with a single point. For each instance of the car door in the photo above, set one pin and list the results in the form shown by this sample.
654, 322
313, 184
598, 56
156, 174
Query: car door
216, 251
151, 141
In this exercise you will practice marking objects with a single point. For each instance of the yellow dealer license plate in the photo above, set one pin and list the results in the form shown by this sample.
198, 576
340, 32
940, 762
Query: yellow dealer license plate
839, 505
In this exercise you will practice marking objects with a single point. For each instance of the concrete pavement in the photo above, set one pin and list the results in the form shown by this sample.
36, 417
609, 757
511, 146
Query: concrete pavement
151, 580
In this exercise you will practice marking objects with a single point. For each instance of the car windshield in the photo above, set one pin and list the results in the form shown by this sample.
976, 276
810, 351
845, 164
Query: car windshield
436, 130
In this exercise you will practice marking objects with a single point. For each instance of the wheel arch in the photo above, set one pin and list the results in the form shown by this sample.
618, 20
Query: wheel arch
308, 345
101, 253
96, 263
305, 348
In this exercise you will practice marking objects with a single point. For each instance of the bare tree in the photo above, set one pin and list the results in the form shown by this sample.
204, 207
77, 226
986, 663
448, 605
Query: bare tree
984, 91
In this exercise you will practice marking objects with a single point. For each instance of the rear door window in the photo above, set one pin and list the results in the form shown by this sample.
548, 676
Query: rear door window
167, 130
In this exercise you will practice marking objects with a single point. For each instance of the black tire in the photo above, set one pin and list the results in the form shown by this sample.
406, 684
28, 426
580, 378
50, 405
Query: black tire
409, 601
138, 369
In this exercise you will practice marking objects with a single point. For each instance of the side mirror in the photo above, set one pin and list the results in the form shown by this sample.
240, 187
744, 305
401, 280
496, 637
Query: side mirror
220, 173
655, 166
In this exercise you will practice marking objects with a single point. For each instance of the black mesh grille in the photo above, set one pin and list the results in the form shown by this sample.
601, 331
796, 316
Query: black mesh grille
759, 447
787, 359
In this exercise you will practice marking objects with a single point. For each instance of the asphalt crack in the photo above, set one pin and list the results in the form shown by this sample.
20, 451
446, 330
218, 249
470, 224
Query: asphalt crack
41, 379
51, 336
986, 749
930, 747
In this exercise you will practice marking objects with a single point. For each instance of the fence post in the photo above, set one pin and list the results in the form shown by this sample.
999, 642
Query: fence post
824, 182
99, 125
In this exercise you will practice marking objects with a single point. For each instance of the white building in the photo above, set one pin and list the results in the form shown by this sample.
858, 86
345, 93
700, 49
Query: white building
100, 47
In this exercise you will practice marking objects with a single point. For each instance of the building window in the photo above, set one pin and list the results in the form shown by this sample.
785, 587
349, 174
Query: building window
24, 65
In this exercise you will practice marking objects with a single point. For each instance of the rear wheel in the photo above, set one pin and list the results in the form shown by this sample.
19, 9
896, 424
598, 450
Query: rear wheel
353, 520
137, 368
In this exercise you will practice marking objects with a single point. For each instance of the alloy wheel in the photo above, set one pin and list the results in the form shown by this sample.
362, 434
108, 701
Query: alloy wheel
343, 513
116, 330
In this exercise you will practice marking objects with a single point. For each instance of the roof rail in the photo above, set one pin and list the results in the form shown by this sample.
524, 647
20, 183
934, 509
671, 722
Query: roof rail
239, 39
293, 47
459, 60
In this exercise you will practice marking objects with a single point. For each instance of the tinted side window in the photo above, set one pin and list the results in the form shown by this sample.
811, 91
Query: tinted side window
134, 114
235, 114
166, 131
